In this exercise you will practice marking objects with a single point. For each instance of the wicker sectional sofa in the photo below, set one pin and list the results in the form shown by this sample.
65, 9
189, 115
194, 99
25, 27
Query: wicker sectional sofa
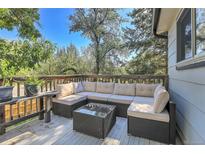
147, 106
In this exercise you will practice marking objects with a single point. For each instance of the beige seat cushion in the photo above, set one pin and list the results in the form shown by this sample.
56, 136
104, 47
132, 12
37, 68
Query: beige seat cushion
160, 100
69, 100
103, 87
95, 96
89, 86
64, 89
85, 93
124, 89
146, 90
78, 87
145, 111
143, 100
121, 99
99, 96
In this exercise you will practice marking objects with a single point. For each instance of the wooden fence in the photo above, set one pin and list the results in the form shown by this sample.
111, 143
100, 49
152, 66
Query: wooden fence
25, 108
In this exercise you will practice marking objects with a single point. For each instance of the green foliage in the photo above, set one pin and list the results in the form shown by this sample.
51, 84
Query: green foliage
26, 53
149, 52
6, 74
146, 63
17, 55
65, 61
23, 20
34, 80
108, 53
102, 27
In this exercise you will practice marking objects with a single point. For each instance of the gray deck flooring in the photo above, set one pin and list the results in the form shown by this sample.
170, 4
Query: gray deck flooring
60, 132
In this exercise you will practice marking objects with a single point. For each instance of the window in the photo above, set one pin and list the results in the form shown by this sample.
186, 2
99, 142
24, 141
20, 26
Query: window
200, 31
184, 27
191, 38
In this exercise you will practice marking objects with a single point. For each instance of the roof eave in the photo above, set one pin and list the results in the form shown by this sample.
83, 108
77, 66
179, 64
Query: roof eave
155, 21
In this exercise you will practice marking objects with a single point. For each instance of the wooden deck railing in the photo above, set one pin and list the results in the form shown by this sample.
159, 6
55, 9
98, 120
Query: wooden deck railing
32, 107
20, 109
52, 81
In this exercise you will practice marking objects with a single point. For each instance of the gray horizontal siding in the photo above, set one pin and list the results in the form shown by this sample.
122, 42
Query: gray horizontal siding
194, 94
192, 111
196, 76
187, 90
192, 137
172, 60
172, 34
172, 49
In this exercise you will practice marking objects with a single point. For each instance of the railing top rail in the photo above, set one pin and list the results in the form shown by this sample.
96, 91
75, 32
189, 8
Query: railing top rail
92, 75
22, 78
128, 76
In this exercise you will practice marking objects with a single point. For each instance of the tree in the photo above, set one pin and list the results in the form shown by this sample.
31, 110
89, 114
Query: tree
23, 20
66, 61
27, 52
149, 51
102, 27
21, 54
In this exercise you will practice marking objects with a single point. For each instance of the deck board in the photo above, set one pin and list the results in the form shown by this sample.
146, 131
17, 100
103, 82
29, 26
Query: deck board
60, 132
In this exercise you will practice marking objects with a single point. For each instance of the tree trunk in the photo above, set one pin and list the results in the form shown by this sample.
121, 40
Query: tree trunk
97, 58
97, 63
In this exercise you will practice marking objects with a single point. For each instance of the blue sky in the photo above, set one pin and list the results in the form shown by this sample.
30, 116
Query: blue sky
55, 27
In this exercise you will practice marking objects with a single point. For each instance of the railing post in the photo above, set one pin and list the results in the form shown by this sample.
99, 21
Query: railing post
2, 120
48, 108
172, 125
41, 114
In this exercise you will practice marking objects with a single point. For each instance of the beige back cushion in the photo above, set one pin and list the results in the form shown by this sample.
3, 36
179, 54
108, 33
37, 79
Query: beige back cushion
146, 90
103, 87
124, 89
78, 87
64, 89
157, 89
89, 86
160, 100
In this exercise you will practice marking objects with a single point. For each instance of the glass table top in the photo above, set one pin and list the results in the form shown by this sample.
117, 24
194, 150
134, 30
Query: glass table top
99, 110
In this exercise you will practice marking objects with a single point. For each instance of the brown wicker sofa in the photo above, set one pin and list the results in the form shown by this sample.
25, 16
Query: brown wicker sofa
147, 106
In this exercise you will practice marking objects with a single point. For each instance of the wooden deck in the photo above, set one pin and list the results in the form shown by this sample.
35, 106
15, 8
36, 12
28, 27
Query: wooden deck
60, 132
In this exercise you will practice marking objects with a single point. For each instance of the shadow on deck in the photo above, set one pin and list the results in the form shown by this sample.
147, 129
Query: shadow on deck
60, 132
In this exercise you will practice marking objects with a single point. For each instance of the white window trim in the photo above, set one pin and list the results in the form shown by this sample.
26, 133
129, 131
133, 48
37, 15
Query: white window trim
191, 61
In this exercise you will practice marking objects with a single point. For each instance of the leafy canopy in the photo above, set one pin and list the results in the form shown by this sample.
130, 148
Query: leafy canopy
149, 52
26, 52
66, 60
20, 54
24, 20
102, 27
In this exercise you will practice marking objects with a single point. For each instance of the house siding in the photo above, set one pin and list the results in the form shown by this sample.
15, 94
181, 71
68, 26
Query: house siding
187, 90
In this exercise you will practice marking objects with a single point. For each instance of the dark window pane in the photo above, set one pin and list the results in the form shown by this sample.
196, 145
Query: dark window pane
200, 31
184, 35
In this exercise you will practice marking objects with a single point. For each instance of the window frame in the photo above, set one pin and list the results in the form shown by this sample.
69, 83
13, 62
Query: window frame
197, 60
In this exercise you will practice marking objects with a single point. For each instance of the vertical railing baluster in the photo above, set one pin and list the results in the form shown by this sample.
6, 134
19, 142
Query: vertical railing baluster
50, 85
25, 110
18, 89
18, 109
46, 86
11, 112
31, 106
54, 84
41, 107
37, 105
2, 119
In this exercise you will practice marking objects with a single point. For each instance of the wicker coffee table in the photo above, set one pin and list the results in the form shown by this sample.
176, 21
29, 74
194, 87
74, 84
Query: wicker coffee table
94, 119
